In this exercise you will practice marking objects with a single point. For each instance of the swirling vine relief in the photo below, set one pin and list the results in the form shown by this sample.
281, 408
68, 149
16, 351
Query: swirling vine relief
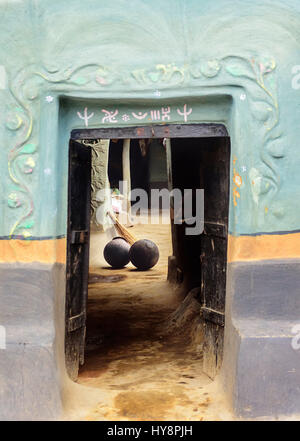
31, 82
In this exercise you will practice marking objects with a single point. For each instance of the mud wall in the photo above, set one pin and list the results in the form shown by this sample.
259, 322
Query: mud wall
68, 64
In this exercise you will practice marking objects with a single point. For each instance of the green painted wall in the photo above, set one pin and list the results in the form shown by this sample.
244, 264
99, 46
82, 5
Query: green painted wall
230, 61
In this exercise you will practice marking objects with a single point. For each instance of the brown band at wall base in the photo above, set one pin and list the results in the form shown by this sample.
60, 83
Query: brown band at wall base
240, 248
263, 247
45, 251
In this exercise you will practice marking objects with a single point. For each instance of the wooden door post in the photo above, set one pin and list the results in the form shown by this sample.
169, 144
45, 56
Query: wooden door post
126, 176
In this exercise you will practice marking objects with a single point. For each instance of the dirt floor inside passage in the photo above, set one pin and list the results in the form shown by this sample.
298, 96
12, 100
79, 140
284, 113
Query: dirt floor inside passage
138, 366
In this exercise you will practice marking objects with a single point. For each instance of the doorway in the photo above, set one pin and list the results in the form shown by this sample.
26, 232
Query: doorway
195, 266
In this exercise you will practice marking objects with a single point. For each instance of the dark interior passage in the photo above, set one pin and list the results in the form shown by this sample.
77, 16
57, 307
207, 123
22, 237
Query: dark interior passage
202, 259
148, 164
115, 172
200, 163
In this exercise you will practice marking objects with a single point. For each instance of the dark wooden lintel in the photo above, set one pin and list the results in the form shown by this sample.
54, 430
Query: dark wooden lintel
206, 130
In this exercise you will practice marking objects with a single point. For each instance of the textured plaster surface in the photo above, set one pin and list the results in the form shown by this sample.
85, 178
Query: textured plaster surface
119, 60
32, 362
261, 361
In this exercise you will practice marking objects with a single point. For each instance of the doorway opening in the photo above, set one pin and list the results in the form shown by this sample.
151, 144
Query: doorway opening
151, 337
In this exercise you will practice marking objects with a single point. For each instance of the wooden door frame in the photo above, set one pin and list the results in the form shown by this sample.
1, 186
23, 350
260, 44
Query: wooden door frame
204, 130
75, 322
